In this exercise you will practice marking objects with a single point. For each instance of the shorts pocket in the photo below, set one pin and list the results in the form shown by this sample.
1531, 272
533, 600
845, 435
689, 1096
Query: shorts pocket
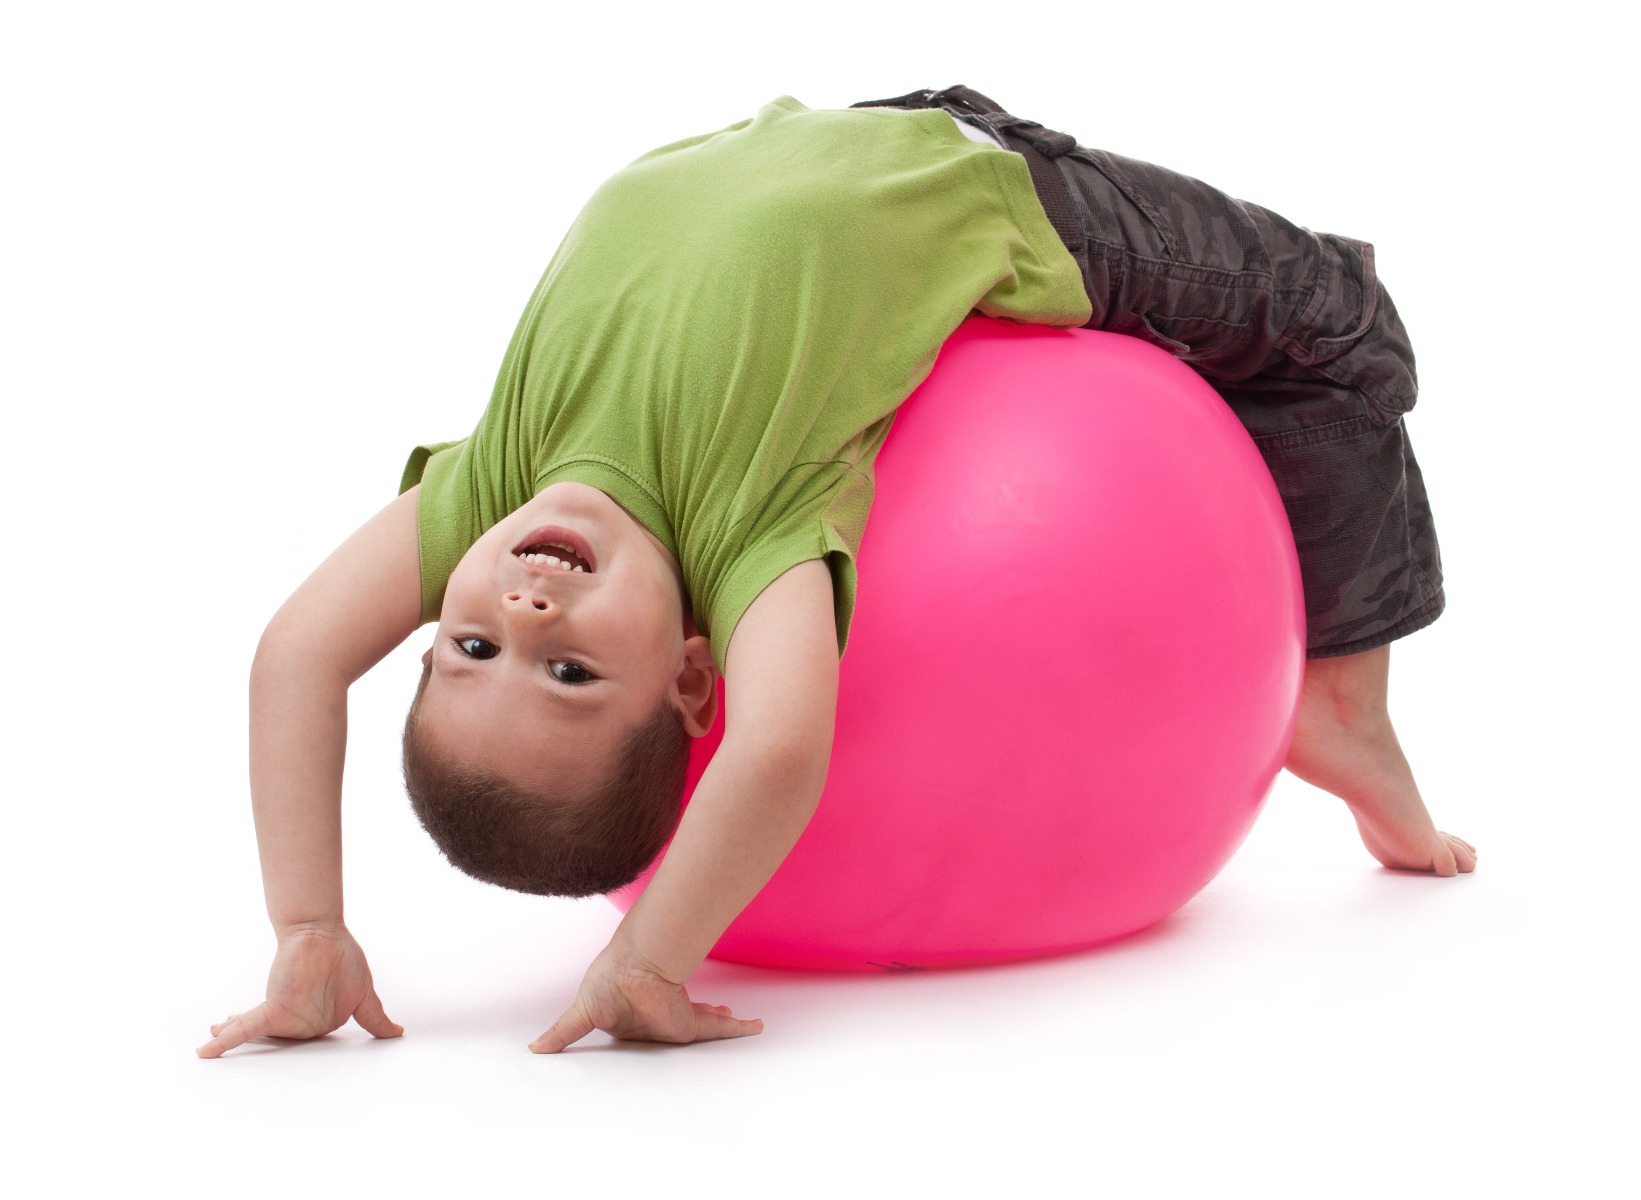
1145, 328
1344, 306
1352, 335
1222, 351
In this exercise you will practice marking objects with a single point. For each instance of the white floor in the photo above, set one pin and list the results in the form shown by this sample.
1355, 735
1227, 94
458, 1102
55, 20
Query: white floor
257, 253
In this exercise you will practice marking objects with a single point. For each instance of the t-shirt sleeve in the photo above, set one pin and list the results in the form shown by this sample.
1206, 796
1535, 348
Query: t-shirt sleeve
826, 522
1044, 285
447, 516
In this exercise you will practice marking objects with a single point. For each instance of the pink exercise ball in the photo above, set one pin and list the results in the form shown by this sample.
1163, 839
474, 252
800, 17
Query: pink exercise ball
1072, 673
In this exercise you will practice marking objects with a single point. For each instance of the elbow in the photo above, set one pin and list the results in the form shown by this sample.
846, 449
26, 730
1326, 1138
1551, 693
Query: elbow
796, 765
815, 761
275, 649
286, 655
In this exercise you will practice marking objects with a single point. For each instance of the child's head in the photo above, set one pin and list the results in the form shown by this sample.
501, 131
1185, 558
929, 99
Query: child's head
547, 744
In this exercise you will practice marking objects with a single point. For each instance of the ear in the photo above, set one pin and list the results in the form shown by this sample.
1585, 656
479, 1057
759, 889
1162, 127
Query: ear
696, 688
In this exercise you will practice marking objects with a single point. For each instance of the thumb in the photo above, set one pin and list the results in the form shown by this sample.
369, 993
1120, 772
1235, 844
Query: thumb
373, 1020
568, 1029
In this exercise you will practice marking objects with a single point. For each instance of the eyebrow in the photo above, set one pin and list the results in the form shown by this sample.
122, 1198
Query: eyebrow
461, 668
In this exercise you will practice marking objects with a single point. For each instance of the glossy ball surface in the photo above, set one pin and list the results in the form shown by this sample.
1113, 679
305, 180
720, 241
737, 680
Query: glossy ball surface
1072, 672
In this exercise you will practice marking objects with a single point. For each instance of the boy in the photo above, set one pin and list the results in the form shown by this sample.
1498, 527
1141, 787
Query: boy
671, 481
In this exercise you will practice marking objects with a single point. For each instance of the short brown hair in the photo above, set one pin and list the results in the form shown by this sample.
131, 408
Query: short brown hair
553, 844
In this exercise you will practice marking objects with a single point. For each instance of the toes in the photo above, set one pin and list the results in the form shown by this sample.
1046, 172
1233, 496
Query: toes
1464, 854
1444, 862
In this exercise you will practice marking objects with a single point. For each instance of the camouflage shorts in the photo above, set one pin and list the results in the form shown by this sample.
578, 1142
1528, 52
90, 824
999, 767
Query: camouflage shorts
1295, 331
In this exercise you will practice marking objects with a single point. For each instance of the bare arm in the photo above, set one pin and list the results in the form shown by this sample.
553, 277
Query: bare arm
762, 786
745, 816
358, 605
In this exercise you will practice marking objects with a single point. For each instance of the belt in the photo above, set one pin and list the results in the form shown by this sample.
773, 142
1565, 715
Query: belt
1038, 145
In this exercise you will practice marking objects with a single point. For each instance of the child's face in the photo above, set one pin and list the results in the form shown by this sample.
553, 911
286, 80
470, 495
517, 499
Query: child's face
538, 672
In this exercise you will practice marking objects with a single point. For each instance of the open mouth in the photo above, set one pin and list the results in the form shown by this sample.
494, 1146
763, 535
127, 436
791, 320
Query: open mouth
556, 549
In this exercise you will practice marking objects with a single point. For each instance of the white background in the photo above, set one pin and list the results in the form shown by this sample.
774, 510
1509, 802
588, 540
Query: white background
254, 252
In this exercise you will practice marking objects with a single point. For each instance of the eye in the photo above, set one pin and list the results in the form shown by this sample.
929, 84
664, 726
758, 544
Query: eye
476, 647
570, 672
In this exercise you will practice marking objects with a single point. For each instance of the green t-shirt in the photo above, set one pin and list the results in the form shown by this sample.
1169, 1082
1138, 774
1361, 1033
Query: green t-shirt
722, 339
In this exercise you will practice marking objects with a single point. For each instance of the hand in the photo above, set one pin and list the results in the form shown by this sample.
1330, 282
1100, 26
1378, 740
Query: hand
628, 999
319, 979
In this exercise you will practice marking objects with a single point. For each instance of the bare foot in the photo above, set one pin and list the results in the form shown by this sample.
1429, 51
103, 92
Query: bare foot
1344, 744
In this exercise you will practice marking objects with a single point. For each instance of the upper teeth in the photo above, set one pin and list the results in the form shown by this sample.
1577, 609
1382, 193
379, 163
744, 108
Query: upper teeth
551, 560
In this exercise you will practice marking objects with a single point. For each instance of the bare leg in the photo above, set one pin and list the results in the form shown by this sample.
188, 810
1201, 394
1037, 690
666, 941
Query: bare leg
1344, 744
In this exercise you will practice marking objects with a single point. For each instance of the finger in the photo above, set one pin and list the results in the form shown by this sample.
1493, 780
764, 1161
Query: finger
373, 1020
567, 1030
713, 1025
223, 1024
236, 1031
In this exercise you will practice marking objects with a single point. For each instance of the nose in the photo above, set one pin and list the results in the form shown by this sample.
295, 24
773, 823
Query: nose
519, 605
